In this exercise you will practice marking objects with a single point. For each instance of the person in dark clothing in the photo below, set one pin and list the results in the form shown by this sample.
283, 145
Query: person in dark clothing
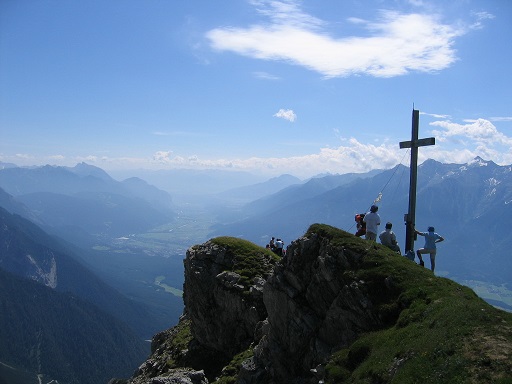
360, 224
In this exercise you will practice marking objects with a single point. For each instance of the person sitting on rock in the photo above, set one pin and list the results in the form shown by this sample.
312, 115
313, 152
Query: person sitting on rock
388, 238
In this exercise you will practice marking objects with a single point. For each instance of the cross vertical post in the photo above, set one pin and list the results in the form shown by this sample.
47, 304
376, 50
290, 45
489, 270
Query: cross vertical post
414, 144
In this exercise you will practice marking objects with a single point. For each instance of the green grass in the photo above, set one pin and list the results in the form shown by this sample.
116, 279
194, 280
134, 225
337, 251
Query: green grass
167, 288
179, 342
250, 260
435, 330
230, 371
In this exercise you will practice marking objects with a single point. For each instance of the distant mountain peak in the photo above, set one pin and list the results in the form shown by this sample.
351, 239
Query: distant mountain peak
84, 169
478, 161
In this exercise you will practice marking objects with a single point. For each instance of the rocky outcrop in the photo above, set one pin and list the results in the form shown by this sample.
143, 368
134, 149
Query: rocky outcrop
315, 307
294, 317
222, 309
223, 296
306, 318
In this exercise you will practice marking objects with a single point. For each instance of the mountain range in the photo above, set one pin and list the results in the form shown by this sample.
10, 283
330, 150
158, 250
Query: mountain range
85, 203
76, 231
468, 204
92, 216
59, 320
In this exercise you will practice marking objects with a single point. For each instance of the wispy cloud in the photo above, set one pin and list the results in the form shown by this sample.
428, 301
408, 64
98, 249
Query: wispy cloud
480, 17
265, 76
23, 156
397, 43
435, 115
503, 118
286, 114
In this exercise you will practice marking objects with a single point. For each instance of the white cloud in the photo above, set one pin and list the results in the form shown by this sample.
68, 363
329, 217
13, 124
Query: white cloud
475, 138
286, 114
455, 143
398, 43
480, 131
162, 157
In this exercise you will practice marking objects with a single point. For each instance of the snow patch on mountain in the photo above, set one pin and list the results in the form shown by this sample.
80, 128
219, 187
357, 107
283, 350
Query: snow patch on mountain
48, 278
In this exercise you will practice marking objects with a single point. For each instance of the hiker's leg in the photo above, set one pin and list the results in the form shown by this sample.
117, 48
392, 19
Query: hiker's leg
433, 260
371, 236
418, 252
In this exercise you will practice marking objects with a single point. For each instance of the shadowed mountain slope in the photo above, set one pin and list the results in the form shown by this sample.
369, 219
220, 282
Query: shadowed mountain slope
60, 336
28, 252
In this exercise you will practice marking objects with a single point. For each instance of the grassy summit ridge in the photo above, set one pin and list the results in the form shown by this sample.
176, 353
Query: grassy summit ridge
443, 332
250, 260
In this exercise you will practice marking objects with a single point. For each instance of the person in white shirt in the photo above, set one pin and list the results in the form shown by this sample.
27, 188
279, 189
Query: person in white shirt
279, 247
372, 220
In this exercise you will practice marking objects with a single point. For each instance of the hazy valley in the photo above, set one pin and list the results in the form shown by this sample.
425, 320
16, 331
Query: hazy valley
130, 237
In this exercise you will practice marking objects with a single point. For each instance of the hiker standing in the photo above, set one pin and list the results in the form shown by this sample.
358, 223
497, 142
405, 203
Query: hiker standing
431, 238
388, 238
372, 220
279, 247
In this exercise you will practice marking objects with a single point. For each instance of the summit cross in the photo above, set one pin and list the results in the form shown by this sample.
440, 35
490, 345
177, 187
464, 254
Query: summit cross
410, 216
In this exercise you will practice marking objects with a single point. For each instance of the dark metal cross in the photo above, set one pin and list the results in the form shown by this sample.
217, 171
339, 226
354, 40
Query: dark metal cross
414, 144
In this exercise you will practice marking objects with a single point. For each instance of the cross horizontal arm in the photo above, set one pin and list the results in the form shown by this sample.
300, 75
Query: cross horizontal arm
418, 143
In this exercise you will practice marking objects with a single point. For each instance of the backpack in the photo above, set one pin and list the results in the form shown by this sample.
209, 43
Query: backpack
361, 225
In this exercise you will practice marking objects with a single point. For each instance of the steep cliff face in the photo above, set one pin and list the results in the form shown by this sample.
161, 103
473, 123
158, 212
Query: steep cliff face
335, 309
315, 306
223, 305
223, 296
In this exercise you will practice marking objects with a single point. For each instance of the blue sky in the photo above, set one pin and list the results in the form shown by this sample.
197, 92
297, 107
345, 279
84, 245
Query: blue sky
271, 87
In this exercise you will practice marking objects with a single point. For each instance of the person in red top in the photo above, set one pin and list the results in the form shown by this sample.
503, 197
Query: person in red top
361, 225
